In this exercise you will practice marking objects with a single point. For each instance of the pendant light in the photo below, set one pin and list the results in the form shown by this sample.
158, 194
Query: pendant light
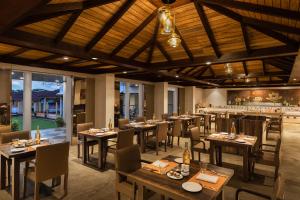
174, 40
165, 20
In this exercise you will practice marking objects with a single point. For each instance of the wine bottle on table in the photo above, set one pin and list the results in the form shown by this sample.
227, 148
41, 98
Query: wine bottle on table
232, 131
186, 160
38, 135
110, 125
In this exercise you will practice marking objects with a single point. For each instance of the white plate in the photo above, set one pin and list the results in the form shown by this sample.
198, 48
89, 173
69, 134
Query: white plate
179, 160
17, 150
192, 187
240, 141
44, 139
223, 133
175, 177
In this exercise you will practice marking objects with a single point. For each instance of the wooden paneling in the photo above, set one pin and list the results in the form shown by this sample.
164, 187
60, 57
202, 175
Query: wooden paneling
61, 60
33, 54
260, 40
254, 66
64, 1
5, 48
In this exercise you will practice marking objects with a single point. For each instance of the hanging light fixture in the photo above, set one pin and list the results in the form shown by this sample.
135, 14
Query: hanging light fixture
174, 40
165, 18
228, 68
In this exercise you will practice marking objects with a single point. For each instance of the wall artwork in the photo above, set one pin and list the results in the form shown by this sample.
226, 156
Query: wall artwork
261, 97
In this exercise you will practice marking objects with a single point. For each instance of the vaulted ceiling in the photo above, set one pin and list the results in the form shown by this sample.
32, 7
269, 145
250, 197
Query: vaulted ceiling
260, 38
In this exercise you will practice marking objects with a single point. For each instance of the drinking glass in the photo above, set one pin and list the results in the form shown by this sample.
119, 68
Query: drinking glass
15, 142
203, 167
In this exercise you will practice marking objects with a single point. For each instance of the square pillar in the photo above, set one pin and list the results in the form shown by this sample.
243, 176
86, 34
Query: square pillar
141, 100
68, 106
27, 93
160, 99
126, 101
104, 99
190, 99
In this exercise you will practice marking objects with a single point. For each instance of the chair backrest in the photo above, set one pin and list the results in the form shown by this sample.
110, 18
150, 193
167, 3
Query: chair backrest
80, 117
165, 116
195, 134
162, 132
122, 123
125, 138
207, 120
140, 119
84, 126
221, 124
175, 114
128, 159
278, 190
51, 161
198, 122
5, 129
8, 137
176, 131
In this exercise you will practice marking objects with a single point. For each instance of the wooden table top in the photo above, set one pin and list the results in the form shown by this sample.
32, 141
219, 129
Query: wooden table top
172, 188
99, 134
222, 138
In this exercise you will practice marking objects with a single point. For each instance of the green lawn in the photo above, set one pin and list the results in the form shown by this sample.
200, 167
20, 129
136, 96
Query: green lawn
43, 123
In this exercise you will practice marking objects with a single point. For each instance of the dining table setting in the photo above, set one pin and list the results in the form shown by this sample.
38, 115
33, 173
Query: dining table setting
16, 152
166, 177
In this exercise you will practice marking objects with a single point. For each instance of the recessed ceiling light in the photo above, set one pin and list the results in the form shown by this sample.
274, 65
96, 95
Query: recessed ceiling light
124, 72
21, 78
208, 62
294, 79
66, 58
177, 76
94, 58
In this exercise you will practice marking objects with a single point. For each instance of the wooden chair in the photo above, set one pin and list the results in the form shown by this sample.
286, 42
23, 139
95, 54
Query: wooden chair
51, 161
270, 156
90, 143
122, 124
175, 114
274, 125
161, 134
197, 144
5, 129
127, 160
175, 132
124, 139
277, 194
206, 123
140, 119
165, 116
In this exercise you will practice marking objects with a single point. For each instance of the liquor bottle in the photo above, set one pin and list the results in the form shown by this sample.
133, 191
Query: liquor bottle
153, 117
186, 159
232, 131
38, 135
110, 125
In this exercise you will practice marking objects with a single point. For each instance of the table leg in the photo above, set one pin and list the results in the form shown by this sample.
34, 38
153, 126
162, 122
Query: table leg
220, 156
246, 164
220, 196
15, 179
212, 153
103, 153
142, 141
100, 155
2, 172
140, 193
85, 150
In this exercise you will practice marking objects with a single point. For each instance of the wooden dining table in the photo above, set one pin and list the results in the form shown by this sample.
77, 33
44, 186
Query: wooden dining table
244, 142
16, 159
172, 189
102, 137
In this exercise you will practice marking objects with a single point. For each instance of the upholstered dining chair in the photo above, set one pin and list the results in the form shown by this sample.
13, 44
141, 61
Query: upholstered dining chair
122, 123
197, 144
140, 119
175, 132
124, 139
51, 161
277, 193
90, 143
161, 135
5, 129
165, 116
127, 160
268, 155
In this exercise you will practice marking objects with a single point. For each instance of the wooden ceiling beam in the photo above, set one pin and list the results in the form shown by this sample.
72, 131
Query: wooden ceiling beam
264, 67
242, 76
275, 63
246, 38
245, 68
55, 10
279, 12
140, 50
74, 62
109, 24
134, 33
13, 11
17, 52
69, 23
153, 42
211, 70
185, 46
207, 28
257, 54
204, 69
163, 51
51, 57
278, 36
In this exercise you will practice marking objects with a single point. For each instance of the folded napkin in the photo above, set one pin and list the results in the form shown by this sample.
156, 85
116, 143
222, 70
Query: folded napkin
16, 150
161, 164
208, 178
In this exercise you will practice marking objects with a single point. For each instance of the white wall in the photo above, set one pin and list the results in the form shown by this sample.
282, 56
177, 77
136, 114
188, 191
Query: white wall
160, 99
198, 96
215, 97
190, 99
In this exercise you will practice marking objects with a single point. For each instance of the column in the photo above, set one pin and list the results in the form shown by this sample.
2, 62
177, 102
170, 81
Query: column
90, 100
126, 101
67, 106
104, 99
27, 101
190, 93
141, 100
175, 101
160, 99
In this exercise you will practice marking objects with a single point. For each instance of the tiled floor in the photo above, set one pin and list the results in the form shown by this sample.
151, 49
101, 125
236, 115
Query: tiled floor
88, 183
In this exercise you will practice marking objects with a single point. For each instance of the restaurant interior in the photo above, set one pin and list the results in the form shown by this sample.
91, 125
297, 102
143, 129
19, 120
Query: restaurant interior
149, 99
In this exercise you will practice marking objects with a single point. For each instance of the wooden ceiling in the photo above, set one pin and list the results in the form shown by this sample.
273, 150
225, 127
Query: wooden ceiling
259, 38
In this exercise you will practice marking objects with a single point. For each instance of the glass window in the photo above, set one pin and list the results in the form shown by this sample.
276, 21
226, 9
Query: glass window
17, 101
170, 102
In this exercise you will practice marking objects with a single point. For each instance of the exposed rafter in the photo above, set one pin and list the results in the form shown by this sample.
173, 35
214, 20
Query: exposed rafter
109, 24
69, 23
241, 76
153, 42
59, 9
245, 68
278, 36
185, 46
207, 28
246, 38
17, 52
264, 67
163, 51
134, 33
140, 50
